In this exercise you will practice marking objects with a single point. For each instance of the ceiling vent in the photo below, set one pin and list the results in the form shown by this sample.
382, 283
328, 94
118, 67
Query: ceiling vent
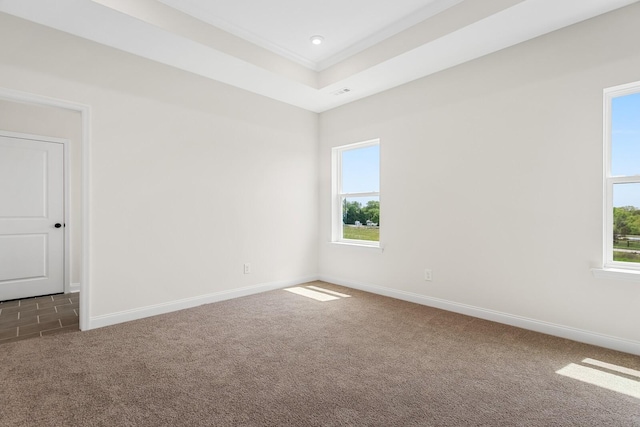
342, 91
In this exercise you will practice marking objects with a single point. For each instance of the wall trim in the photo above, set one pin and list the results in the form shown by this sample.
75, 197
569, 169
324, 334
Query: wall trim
168, 307
575, 334
74, 287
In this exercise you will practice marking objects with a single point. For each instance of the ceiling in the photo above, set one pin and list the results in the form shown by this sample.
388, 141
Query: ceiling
286, 26
264, 46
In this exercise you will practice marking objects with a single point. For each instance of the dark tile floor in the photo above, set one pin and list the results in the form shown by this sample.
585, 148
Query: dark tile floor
38, 317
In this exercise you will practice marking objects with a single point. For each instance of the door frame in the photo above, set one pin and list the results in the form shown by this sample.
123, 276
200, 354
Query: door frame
66, 273
85, 144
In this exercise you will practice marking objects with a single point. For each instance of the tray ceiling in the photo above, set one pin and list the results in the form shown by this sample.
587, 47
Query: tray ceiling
264, 47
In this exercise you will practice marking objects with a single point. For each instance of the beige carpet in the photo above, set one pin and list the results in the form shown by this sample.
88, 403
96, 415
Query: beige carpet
282, 359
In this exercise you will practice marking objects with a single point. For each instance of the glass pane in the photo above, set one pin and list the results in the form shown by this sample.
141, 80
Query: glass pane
625, 135
361, 170
361, 218
626, 222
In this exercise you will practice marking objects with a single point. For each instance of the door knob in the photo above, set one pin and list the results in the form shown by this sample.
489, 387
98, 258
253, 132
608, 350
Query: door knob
58, 225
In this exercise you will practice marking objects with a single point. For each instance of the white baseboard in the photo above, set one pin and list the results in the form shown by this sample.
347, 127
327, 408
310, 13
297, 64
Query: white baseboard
580, 335
74, 287
168, 307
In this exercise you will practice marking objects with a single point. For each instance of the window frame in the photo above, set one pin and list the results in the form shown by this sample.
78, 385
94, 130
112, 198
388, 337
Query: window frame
610, 180
338, 194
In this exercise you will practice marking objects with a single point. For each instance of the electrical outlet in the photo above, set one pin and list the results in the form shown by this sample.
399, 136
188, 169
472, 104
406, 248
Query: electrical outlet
427, 275
247, 268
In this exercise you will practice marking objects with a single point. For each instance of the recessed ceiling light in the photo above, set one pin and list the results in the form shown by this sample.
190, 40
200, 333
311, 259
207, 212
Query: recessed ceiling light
317, 40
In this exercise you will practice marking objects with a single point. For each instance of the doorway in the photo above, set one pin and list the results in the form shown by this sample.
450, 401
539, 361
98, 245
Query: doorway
28, 113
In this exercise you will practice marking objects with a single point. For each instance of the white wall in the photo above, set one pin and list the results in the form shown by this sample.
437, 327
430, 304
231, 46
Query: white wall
190, 178
491, 177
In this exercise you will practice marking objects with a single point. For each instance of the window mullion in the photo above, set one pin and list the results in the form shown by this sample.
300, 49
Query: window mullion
632, 179
367, 194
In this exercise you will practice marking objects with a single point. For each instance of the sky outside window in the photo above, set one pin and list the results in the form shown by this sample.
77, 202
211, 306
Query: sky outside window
625, 146
361, 170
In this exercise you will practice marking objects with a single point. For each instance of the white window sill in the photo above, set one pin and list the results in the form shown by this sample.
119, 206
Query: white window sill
616, 273
360, 245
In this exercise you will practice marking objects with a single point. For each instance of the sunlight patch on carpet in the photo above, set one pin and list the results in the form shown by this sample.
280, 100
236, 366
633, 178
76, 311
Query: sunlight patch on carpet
317, 293
318, 296
327, 291
604, 379
613, 367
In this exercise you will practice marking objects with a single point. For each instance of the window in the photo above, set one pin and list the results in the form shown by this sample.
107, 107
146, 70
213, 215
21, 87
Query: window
356, 193
622, 177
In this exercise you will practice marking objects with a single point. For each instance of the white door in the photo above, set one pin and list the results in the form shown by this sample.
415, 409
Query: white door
31, 217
